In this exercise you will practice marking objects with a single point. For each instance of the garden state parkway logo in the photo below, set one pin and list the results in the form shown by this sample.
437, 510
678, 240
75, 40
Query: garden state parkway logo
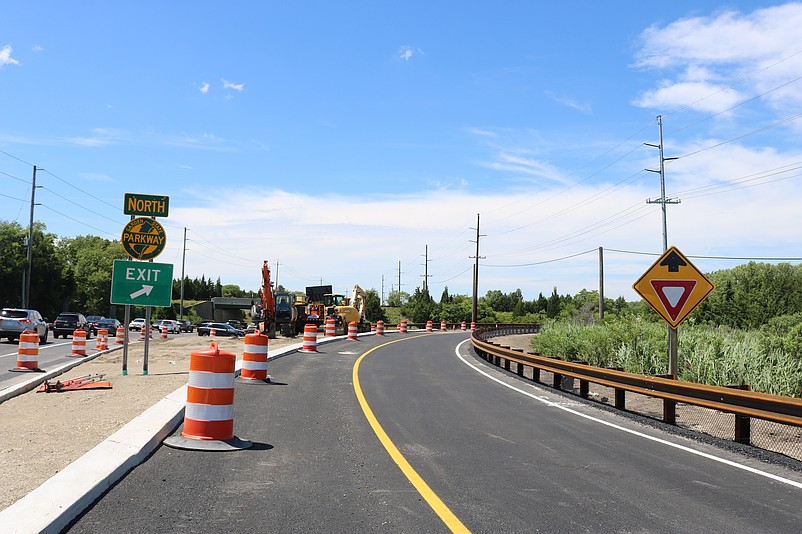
143, 238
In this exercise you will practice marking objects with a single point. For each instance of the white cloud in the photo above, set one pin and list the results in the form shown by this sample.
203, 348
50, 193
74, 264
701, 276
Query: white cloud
407, 52
231, 85
712, 62
5, 56
37, 48
204, 88
569, 102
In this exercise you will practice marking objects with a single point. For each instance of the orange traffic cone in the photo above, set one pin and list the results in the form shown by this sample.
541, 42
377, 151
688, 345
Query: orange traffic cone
78, 343
209, 414
102, 340
28, 353
310, 338
254, 359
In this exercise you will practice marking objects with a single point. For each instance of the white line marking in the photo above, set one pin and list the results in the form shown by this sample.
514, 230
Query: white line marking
561, 406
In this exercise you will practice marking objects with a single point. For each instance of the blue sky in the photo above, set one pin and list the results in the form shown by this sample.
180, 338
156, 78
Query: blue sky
341, 138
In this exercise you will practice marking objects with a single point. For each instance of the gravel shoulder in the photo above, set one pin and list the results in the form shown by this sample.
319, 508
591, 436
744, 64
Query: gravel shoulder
45, 432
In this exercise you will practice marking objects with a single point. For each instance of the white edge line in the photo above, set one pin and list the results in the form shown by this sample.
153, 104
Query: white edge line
547, 402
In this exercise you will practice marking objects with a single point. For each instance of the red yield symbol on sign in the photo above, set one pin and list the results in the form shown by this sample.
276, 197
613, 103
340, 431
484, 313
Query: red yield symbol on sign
673, 294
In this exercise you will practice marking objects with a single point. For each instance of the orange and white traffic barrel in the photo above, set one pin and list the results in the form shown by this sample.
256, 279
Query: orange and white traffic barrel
462, 326
254, 357
379, 327
473, 326
79, 343
209, 413
163, 329
442, 326
373, 328
352, 330
119, 338
28, 352
310, 338
403, 327
212, 332
102, 339
428, 326
330, 327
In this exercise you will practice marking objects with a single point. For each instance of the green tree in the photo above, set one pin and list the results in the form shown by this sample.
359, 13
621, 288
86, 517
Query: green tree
373, 309
89, 260
420, 308
397, 298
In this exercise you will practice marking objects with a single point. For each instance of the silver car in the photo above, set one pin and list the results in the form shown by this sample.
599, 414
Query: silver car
14, 321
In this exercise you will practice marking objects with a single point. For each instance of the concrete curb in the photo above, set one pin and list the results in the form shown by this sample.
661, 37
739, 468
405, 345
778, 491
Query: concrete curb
59, 500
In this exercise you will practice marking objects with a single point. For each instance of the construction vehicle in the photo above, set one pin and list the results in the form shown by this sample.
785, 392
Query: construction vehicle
345, 310
286, 314
264, 313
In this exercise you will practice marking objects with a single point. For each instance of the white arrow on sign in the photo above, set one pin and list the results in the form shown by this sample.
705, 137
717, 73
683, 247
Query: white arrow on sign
144, 291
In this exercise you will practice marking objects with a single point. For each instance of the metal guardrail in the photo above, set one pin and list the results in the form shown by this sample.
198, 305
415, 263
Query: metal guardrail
741, 402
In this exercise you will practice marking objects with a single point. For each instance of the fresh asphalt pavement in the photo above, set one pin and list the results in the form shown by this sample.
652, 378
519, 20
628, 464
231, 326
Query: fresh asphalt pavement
498, 453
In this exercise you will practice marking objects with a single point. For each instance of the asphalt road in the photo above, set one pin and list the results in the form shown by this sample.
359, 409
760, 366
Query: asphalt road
483, 451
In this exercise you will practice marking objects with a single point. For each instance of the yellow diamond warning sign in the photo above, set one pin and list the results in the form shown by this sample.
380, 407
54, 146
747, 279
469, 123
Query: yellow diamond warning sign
673, 286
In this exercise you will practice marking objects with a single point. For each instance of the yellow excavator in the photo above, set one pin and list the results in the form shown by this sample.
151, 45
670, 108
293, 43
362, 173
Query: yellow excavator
345, 310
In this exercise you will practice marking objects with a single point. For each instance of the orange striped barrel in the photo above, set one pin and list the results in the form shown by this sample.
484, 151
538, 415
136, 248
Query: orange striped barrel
403, 327
310, 338
102, 339
254, 357
142, 333
428, 326
212, 332
442, 326
330, 327
164, 331
120, 335
462, 326
352, 330
28, 351
379, 327
473, 326
210, 395
79, 343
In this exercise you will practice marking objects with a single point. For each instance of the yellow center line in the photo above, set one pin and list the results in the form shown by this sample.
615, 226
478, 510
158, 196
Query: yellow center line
439, 507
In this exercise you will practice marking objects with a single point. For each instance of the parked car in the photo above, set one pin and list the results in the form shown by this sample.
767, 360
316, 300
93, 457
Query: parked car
172, 326
137, 324
220, 329
236, 324
185, 325
68, 322
14, 321
109, 324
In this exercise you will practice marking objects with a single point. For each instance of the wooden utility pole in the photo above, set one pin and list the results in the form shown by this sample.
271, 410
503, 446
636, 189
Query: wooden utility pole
477, 257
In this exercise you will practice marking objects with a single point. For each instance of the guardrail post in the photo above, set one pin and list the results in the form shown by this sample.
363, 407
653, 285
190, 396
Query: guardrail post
743, 423
620, 400
669, 406
584, 385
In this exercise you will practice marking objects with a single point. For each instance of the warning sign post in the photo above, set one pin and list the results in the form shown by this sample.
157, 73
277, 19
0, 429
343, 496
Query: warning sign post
673, 287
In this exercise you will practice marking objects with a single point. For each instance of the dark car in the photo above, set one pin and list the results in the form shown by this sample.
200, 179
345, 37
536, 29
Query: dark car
186, 326
220, 329
110, 325
93, 320
236, 324
68, 322
14, 321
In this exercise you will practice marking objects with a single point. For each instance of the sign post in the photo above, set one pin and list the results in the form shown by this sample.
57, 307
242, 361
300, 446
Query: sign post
143, 238
673, 287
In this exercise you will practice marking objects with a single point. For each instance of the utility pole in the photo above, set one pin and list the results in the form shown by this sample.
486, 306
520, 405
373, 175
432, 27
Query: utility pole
474, 314
601, 283
399, 276
183, 263
426, 269
672, 332
276, 274
26, 290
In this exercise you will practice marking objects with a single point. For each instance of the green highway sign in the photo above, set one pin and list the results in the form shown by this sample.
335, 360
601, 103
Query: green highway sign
143, 238
147, 205
142, 283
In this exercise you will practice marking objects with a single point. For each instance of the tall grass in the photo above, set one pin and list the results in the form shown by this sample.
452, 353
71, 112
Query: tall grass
708, 355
